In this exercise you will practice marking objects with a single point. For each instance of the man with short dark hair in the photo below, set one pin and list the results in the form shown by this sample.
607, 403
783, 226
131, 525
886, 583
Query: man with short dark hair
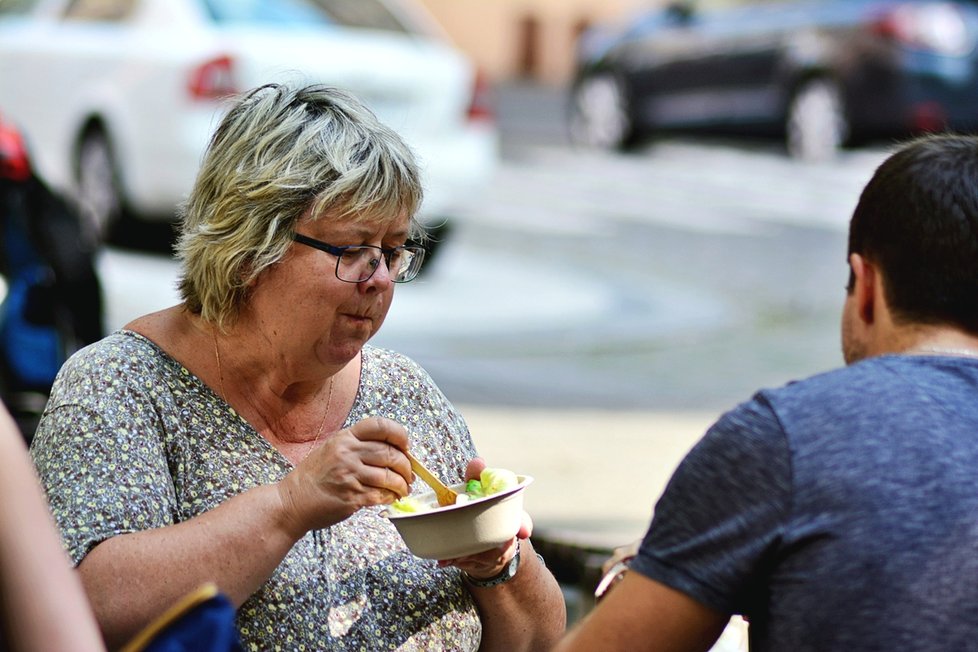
840, 512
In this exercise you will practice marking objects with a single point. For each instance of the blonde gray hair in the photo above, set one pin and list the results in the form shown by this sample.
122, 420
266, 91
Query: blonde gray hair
280, 153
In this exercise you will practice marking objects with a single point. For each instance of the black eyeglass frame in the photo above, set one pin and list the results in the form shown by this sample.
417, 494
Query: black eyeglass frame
416, 250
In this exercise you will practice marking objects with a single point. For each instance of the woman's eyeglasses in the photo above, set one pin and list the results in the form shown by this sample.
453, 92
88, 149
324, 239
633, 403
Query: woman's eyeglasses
357, 263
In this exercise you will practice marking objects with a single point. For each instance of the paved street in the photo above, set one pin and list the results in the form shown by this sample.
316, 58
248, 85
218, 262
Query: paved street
682, 277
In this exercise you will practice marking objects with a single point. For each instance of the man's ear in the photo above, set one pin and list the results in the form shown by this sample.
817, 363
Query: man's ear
866, 284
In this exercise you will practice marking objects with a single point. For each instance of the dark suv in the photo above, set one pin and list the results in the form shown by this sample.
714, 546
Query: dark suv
820, 73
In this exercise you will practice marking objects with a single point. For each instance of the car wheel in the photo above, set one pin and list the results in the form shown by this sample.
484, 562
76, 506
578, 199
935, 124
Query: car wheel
816, 126
599, 114
99, 192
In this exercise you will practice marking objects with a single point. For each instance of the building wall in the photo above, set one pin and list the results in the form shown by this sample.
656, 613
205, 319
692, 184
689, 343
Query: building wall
531, 39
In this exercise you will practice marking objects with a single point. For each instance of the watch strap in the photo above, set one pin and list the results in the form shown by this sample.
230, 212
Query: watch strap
505, 575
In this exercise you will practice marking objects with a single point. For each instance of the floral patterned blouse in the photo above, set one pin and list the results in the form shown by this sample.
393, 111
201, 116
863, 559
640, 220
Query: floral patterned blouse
131, 440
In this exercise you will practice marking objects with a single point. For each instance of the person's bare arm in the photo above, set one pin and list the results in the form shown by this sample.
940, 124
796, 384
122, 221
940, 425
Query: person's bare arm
133, 577
640, 614
525, 613
44, 606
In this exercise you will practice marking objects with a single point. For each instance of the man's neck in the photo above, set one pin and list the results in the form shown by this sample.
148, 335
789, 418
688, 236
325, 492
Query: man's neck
937, 340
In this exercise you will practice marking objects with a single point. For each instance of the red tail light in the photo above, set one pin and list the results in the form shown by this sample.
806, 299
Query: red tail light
213, 79
928, 117
480, 107
937, 26
14, 163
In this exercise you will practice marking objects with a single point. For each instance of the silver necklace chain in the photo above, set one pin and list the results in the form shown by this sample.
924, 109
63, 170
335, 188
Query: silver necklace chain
329, 398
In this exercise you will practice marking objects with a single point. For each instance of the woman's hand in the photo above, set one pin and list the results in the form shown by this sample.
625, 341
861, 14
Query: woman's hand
487, 564
355, 467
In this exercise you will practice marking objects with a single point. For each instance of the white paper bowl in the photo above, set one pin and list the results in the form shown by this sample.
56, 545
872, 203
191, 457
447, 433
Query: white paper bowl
459, 530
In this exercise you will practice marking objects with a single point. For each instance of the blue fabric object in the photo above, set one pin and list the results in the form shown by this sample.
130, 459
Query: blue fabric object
33, 352
836, 513
207, 627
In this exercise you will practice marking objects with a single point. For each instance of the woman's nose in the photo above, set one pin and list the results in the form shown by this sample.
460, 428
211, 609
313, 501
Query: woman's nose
381, 275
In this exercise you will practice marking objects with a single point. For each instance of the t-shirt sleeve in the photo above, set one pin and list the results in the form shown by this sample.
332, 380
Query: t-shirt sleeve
99, 454
721, 516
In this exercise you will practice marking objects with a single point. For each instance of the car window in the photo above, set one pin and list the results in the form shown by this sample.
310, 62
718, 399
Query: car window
371, 14
279, 12
100, 10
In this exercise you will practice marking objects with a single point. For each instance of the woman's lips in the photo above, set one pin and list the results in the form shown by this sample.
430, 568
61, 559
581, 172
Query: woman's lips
359, 318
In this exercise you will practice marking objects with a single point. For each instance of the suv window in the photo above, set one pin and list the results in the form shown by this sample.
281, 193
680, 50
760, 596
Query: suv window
370, 14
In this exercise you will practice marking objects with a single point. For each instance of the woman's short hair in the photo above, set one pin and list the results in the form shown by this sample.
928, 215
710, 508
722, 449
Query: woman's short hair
282, 152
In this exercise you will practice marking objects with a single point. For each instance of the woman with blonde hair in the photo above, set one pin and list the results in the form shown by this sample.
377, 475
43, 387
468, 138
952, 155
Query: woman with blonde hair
250, 436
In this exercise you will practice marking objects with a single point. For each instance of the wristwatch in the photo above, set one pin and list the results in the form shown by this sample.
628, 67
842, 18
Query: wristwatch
505, 575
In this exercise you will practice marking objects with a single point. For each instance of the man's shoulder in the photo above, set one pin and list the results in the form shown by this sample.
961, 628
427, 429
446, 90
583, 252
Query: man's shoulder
872, 391
832, 382
829, 394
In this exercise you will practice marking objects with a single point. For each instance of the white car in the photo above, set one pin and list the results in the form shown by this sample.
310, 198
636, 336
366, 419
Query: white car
118, 98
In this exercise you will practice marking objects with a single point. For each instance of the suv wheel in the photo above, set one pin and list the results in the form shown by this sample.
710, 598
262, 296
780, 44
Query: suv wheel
99, 191
599, 113
817, 126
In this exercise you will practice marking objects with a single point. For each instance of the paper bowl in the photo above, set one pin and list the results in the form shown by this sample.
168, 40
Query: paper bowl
459, 530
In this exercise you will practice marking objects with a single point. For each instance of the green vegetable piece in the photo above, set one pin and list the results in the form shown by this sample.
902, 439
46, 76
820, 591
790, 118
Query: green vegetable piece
409, 505
474, 489
496, 480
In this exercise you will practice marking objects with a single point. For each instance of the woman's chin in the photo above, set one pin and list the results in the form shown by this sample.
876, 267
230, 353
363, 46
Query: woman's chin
349, 348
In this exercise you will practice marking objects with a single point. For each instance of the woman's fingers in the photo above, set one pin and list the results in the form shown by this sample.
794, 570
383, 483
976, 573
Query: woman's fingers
474, 468
484, 564
359, 466
382, 445
379, 429
391, 483
526, 527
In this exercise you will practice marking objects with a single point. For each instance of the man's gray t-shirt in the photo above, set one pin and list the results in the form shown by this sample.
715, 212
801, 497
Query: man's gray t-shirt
836, 513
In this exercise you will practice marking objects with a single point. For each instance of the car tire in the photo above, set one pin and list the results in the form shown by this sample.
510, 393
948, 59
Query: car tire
99, 191
816, 126
599, 115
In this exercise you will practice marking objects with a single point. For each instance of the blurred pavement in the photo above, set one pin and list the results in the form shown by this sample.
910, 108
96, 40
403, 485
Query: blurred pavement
596, 473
